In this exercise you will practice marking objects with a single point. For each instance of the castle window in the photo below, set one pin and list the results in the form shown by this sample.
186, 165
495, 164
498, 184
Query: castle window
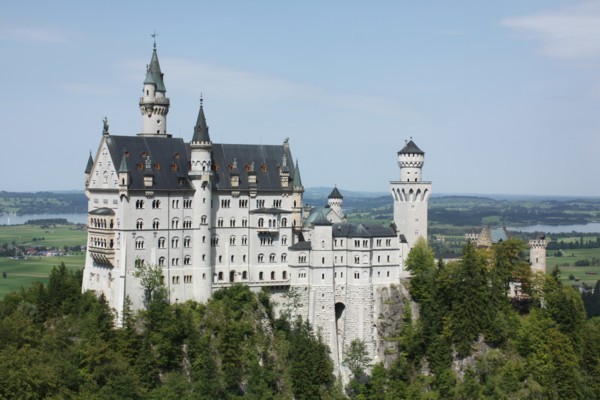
155, 203
175, 223
284, 240
161, 261
356, 243
187, 224
388, 274
155, 224
139, 243
244, 258
272, 275
272, 258
175, 242
220, 223
261, 258
264, 168
220, 258
244, 275
416, 232
187, 279
284, 257
161, 243
260, 203
175, 204
356, 259
203, 220
357, 275
187, 241
302, 258
173, 167
220, 276
283, 222
378, 258
244, 223
214, 241
203, 257
260, 276
284, 275
323, 260
323, 276
139, 224
175, 261
232, 258
261, 222
187, 203
139, 204
243, 203
244, 240
157, 166
139, 262
232, 240
232, 222
225, 203
140, 166
187, 260
388, 259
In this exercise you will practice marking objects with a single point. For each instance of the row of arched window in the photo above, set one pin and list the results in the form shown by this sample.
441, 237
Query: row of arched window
272, 257
272, 222
261, 276
101, 243
101, 223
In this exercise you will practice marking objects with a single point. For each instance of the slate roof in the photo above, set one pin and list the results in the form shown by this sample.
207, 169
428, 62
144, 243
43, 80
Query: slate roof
411, 148
301, 246
297, 180
362, 230
201, 129
170, 154
318, 216
102, 211
154, 75
267, 161
335, 194
498, 235
90, 164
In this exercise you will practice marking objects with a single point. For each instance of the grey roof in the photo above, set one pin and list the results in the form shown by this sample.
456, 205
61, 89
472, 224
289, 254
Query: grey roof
102, 211
297, 180
169, 160
335, 194
90, 164
154, 75
266, 158
498, 235
411, 148
123, 167
201, 129
362, 230
301, 246
318, 216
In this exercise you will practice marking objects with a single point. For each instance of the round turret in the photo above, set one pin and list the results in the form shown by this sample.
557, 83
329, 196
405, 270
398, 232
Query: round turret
410, 161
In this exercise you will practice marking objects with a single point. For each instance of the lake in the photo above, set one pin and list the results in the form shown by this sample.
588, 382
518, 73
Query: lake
12, 219
592, 227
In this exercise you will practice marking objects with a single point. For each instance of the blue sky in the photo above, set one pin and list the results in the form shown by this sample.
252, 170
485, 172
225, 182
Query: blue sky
503, 96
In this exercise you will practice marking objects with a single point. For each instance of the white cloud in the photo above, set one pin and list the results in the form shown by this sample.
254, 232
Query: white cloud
33, 34
568, 33
238, 85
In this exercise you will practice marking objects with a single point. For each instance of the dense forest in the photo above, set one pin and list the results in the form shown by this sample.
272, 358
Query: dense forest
43, 202
465, 339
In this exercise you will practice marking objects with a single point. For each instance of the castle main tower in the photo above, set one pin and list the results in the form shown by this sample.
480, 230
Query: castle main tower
154, 105
411, 194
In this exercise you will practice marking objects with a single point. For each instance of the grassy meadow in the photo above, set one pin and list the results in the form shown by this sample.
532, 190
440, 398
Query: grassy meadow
566, 265
24, 271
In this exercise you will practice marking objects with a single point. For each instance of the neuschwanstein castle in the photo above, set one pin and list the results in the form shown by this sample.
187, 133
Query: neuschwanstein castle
214, 215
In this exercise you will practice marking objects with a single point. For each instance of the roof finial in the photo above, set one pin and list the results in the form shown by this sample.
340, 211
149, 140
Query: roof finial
154, 35
105, 126
201, 100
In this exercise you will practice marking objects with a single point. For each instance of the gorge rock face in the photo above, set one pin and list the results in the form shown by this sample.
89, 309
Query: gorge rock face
390, 303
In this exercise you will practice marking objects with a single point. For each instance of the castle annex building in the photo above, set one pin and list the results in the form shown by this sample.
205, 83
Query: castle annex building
212, 215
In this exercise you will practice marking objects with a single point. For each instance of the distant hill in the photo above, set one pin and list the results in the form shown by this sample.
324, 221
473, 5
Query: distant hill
67, 202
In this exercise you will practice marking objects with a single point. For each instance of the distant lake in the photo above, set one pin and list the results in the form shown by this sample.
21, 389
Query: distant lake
592, 227
12, 219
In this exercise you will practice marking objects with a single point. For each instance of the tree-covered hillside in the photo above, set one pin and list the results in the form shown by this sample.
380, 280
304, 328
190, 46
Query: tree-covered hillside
463, 338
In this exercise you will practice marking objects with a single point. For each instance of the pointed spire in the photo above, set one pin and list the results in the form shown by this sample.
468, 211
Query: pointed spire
90, 164
335, 194
297, 181
123, 167
154, 75
201, 129
411, 148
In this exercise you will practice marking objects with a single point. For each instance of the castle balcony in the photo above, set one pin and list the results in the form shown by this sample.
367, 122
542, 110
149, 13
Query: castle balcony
155, 100
226, 284
268, 229
102, 255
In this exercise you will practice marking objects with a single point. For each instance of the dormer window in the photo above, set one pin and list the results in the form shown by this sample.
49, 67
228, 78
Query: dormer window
140, 166
157, 166
264, 168
173, 167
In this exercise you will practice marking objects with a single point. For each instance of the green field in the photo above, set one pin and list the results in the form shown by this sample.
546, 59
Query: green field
54, 236
566, 264
23, 272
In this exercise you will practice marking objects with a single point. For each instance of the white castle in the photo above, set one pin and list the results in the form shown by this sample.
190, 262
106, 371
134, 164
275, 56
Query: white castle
213, 215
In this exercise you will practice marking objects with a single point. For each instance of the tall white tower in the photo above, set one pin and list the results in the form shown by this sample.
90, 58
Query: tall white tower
154, 105
411, 194
201, 176
537, 255
335, 201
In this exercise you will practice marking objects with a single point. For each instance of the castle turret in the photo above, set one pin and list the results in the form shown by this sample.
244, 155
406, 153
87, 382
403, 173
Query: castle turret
154, 105
537, 254
335, 201
88, 169
298, 190
201, 176
411, 194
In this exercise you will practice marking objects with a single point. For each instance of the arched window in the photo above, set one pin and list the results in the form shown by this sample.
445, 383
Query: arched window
156, 224
261, 258
203, 219
175, 223
161, 242
139, 224
272, 275
139, 243
161, 261
187, 260
232, 240
283, 222
220, 276
261, 222
272, 257
284, 257
175, 242
187, 241
260, 276
244, 275
284, 275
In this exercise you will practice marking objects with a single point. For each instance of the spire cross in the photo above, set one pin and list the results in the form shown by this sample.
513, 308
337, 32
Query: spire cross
201, 100
154, 35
